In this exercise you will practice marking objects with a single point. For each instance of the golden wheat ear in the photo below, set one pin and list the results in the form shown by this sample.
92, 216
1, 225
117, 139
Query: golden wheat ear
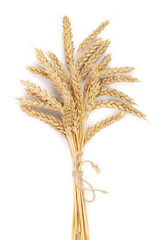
116, 94
38, 71
30, 102
93, 89
104, 62
94, 58
49, 69
52, 121
91, 37
117, 79
120, 106
59, 67
91, 131
68, 42
87, 54
115, 71
48, 100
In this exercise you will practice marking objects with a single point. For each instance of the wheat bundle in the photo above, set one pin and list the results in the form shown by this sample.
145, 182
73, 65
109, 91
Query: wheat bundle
79, 90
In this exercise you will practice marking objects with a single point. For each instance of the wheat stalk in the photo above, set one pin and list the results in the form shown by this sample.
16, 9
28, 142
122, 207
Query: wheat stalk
77, 101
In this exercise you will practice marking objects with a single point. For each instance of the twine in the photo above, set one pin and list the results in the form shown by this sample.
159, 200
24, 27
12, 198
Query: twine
77, 173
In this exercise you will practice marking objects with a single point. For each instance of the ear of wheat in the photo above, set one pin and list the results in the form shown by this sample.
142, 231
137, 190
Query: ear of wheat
77, 102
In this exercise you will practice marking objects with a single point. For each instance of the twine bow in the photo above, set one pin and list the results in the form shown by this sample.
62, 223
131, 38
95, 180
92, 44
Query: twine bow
77, 173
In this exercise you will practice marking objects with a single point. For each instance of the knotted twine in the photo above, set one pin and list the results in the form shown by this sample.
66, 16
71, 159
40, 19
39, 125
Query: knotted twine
77, 173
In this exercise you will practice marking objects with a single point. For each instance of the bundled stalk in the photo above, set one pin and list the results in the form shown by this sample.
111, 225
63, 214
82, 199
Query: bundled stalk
76, 103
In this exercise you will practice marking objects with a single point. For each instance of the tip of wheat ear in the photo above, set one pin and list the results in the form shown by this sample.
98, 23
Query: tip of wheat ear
24, 108
22, 82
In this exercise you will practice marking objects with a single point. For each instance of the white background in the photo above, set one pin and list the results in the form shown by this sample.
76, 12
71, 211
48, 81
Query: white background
35, 164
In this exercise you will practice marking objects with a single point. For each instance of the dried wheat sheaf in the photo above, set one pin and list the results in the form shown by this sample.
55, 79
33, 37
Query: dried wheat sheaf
88, 77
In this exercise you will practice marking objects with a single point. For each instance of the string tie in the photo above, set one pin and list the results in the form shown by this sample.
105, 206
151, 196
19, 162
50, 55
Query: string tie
77, 173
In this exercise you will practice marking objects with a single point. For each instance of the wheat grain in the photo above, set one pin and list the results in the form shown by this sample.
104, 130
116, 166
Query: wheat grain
91, 131
91, 37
